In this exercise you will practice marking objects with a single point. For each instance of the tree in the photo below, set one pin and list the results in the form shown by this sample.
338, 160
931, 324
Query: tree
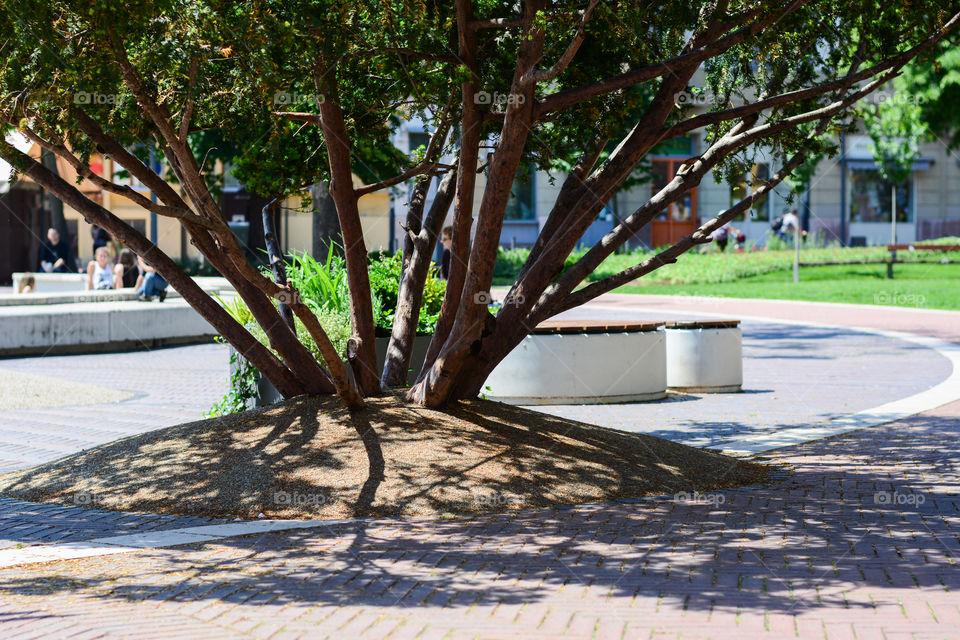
932, 83
306, 89
896, 130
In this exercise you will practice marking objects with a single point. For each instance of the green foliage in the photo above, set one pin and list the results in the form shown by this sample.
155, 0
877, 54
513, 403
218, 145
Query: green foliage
238, 310
928, 286
896, 129
385, 273
321, 285
712, 267
932, 82
323, 288
243, 389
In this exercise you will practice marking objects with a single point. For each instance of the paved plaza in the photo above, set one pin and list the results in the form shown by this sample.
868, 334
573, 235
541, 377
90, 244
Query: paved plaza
858, 537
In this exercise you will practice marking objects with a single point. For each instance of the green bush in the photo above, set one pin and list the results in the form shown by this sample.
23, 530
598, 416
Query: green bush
323, 287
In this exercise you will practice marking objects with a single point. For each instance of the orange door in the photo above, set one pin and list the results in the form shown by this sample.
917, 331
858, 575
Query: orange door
678, 219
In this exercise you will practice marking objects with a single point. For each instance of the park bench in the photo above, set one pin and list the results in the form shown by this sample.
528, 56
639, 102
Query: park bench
893, 248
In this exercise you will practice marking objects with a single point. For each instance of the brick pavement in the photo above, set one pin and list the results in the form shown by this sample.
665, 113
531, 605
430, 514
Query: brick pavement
860, 542
172, 385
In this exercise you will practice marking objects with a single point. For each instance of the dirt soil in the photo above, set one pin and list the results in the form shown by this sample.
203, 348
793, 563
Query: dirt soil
305, 458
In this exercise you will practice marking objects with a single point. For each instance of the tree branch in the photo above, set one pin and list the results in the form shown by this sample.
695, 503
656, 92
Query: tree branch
571, 97
545, 75
188, 110
701, 236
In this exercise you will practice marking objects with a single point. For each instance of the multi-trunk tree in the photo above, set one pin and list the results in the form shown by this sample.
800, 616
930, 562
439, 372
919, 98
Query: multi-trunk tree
309, 92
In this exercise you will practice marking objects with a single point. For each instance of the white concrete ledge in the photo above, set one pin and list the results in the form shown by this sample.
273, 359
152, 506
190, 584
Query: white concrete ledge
99, 326
59, 287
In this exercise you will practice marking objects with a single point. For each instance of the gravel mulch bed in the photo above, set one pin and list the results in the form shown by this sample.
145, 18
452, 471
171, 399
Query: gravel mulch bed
305, 458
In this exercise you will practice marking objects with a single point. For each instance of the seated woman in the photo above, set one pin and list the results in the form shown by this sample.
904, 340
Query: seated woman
100, 273
127, 270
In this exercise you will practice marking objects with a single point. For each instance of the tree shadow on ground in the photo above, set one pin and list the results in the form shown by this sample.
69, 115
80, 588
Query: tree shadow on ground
310, 457
862, 513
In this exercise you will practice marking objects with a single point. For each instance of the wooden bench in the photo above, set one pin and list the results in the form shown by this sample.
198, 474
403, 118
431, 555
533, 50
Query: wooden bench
893, 248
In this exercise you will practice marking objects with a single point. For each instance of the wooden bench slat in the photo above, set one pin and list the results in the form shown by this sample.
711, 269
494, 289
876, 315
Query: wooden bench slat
570, 327
703, 324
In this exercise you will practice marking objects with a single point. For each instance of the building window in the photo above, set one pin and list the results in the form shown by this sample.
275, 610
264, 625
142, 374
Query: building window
749, 182
871, 197
521, 205
418, 140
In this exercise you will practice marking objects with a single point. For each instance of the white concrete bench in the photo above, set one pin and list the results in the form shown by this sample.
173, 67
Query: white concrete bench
705, 356
578, 362
52, 282
66, 297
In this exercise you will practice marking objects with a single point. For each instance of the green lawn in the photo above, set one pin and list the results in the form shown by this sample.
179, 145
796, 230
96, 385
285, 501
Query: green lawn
926, 286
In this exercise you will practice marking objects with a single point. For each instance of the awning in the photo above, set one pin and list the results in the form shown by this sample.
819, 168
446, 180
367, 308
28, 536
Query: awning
920, 164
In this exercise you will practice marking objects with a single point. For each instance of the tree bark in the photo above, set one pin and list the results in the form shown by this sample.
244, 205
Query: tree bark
326, 225
410, 296
212, 312
471, 128
275, 259
363, 359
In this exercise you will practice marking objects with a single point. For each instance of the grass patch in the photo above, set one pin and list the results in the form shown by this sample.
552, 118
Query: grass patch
926, 286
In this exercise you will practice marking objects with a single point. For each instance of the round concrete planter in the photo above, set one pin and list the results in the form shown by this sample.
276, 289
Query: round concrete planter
570, 366
704, 357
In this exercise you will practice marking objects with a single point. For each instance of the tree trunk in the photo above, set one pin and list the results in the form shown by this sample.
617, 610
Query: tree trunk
275, 259
212, 312
410, 296
362, 350
326, 225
